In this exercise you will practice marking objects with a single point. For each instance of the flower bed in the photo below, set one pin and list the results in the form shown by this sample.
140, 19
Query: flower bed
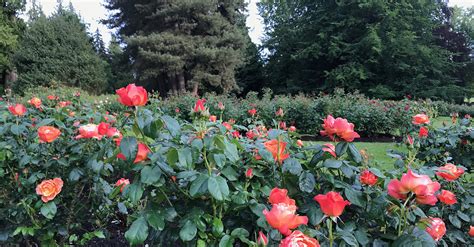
74, 174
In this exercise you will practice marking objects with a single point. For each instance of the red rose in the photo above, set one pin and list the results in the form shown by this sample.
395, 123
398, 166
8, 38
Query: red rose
142, 153
447, 197
212, 118
471, 231
278, 195
103, 128
332, 204
132, 95
249, 173
199, 106
252, 112
292, 128
423, 132
368, 178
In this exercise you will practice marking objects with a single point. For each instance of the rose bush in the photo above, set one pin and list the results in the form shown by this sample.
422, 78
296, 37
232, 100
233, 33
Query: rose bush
147, 177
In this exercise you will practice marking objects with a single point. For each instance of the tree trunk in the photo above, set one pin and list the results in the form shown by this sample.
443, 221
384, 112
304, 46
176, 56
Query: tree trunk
181, 82
173, 83
195, 88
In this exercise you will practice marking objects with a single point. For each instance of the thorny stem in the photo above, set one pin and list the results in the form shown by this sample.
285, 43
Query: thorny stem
331, 236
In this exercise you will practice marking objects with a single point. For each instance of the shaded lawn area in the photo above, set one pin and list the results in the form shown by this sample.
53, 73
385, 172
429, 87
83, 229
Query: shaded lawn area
377, 152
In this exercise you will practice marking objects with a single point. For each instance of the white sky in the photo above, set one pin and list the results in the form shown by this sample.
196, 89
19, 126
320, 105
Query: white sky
92, 12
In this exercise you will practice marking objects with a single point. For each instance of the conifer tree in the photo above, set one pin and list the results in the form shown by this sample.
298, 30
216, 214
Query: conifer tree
182, 45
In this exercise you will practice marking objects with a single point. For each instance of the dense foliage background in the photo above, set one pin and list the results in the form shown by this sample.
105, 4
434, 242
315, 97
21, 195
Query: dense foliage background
383, 49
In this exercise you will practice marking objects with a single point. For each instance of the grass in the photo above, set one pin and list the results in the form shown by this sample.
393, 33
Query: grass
377, 152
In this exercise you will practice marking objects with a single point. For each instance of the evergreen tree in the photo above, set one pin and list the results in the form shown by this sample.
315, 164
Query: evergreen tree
99, 45
10, 29
120, 67
383, 48
250, 76
58, 49
180, 44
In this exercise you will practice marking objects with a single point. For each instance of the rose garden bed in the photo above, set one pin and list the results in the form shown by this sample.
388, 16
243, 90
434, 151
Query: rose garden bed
75, 174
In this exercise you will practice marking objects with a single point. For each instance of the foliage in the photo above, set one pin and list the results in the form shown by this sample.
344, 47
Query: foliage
10, 29
206, 183
57, 49
385, 49
184, 45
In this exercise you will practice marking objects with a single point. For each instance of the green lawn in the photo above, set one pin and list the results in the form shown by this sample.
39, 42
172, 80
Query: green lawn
377, 152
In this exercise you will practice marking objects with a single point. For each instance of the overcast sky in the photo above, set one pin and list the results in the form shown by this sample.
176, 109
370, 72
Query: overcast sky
92, 12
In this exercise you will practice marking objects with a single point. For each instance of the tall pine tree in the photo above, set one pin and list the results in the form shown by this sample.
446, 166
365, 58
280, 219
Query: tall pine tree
10, 29
182, 45
58, 49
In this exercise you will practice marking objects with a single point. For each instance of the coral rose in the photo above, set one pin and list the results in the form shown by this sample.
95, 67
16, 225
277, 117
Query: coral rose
36, 102
299, 143
292, 128
49, 189
328, 147
447, 197
142, 153
283, 217
213, 118
132, 95
249, 173
122, 183
420, 119
340, 127
332, 204
420, 185
102, 128
298, 239
17, 110
262, 239
450, 172
279, 113
277, 149
368, 178
436, 228
48, 133
278, 195
471, 231
89, 131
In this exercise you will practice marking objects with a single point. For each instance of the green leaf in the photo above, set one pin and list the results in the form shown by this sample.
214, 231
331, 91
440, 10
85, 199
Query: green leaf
218, 188
240, 232
463, 216
354, 153
172, 156
45, 122
349, 239
172, 125
138, 232
199, 185
75, 174
185, 158
150, 175
293, 166
355, 197
454, 220
188, 232
156, 220
49, 210
307, 182
129, 148
217, 227
230, 173
226, 241
341, 148
134, 192
331, 163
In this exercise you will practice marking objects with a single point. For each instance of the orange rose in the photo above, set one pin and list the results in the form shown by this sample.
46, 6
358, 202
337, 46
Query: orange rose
277, 148
48, 133
450, 172
420, 119
297, 238
36, 102
49, 189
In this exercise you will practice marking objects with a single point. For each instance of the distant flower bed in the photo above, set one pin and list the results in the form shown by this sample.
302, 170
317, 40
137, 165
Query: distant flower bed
230, 173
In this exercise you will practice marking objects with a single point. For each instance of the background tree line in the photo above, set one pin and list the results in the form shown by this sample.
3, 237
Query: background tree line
385, 49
